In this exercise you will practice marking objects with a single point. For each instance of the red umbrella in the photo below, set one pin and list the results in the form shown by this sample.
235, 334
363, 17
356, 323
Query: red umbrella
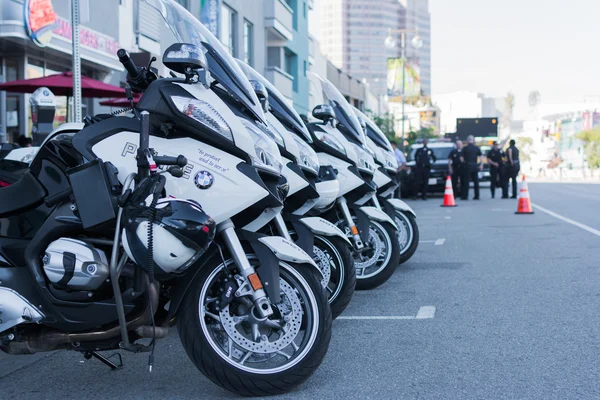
62, 85
122, 102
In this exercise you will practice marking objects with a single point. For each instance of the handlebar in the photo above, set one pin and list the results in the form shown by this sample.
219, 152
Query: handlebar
128, 63
179, 161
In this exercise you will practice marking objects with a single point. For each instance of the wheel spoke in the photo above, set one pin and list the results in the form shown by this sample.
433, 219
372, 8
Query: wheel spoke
213, 316
281, 353
276, 323
255, 333
295, 346
229, 347
246, 357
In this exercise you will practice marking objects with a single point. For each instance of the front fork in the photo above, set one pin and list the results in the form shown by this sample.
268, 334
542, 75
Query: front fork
281, 227
357, 241
247, 271
376, 202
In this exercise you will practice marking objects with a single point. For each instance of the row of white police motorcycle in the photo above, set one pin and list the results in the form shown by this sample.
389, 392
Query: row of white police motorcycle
212, 205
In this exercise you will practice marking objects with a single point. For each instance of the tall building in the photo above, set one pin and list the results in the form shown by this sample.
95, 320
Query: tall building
353, 34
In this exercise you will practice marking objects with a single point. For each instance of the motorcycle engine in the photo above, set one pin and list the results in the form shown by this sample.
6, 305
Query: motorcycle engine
76, 265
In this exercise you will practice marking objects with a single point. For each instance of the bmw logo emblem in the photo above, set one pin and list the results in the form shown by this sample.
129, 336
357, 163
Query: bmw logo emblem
204, 180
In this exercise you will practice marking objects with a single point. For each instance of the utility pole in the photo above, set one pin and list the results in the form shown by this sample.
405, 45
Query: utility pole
76, 114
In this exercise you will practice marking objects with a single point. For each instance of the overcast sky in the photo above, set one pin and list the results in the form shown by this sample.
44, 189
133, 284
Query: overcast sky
493, 46
496, 46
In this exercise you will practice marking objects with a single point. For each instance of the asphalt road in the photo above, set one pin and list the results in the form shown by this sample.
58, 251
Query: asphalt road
516, 299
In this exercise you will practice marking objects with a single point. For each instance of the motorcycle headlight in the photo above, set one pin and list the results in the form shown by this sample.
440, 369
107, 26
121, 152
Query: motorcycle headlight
308, 157
330, 141
203, 113
273, 133
266, 155
391, 164
365, 161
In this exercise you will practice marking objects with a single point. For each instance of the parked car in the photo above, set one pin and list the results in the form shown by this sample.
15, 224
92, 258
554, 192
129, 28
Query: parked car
437, 175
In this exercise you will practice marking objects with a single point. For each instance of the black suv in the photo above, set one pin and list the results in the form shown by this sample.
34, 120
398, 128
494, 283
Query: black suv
438, 173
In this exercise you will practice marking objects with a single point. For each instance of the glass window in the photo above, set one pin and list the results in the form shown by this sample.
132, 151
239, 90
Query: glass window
294, 6
227, 31
248, 39
291, 67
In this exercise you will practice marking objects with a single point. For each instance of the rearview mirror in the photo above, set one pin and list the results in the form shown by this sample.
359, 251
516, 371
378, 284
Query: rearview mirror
184, 58
262, 94
323, 112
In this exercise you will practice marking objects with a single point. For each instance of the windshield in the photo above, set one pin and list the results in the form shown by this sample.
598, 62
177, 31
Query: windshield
328, 94
373, 131
222, 66
441, 153
279, 106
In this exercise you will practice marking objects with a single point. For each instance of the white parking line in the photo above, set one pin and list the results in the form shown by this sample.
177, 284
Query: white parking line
568, 220
437, 242
375, 317
426, 312
447, 217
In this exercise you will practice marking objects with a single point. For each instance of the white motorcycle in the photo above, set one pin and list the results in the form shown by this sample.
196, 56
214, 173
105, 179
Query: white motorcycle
387, 185
251, 313
328, 245
339, 142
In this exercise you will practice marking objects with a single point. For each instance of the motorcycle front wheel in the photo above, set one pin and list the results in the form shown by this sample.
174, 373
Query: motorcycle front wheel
408, 234
254, 356
376, 263
334, 258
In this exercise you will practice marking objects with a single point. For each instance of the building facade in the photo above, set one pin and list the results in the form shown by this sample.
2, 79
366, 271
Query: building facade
353, 34
21, 58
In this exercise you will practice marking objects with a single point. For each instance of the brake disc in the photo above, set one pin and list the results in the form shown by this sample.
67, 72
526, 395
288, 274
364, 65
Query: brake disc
376, 246
324, 264
275, 340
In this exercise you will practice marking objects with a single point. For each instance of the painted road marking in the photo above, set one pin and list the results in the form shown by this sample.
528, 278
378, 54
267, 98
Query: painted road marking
375, 317
425, 312
568, 220
447, 217
439, 242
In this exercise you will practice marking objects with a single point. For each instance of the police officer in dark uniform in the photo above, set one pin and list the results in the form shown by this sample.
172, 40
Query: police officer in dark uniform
512, 153
494, 157
471, 154
456, 166
424, 160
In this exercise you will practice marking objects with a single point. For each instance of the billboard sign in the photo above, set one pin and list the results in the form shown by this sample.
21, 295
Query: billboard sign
478, 127
412, 79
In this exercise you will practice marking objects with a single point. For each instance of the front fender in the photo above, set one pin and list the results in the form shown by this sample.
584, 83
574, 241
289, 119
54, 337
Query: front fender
323, 227
365, 215
398, 204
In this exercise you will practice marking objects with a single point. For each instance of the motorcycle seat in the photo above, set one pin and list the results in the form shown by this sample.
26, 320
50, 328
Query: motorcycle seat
21, 195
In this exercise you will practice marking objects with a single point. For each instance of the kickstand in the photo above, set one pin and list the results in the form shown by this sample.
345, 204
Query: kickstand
105, 360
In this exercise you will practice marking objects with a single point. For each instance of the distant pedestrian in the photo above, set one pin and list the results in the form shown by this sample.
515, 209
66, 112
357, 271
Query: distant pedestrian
512, 153
424, 160
495, 158
456, 167
474, 164
401, 158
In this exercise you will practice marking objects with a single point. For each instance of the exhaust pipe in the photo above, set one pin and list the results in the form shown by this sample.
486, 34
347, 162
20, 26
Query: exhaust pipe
54, 340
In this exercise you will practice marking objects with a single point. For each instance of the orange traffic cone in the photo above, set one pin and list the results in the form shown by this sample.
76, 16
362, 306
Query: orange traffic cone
524, 206
448, 194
